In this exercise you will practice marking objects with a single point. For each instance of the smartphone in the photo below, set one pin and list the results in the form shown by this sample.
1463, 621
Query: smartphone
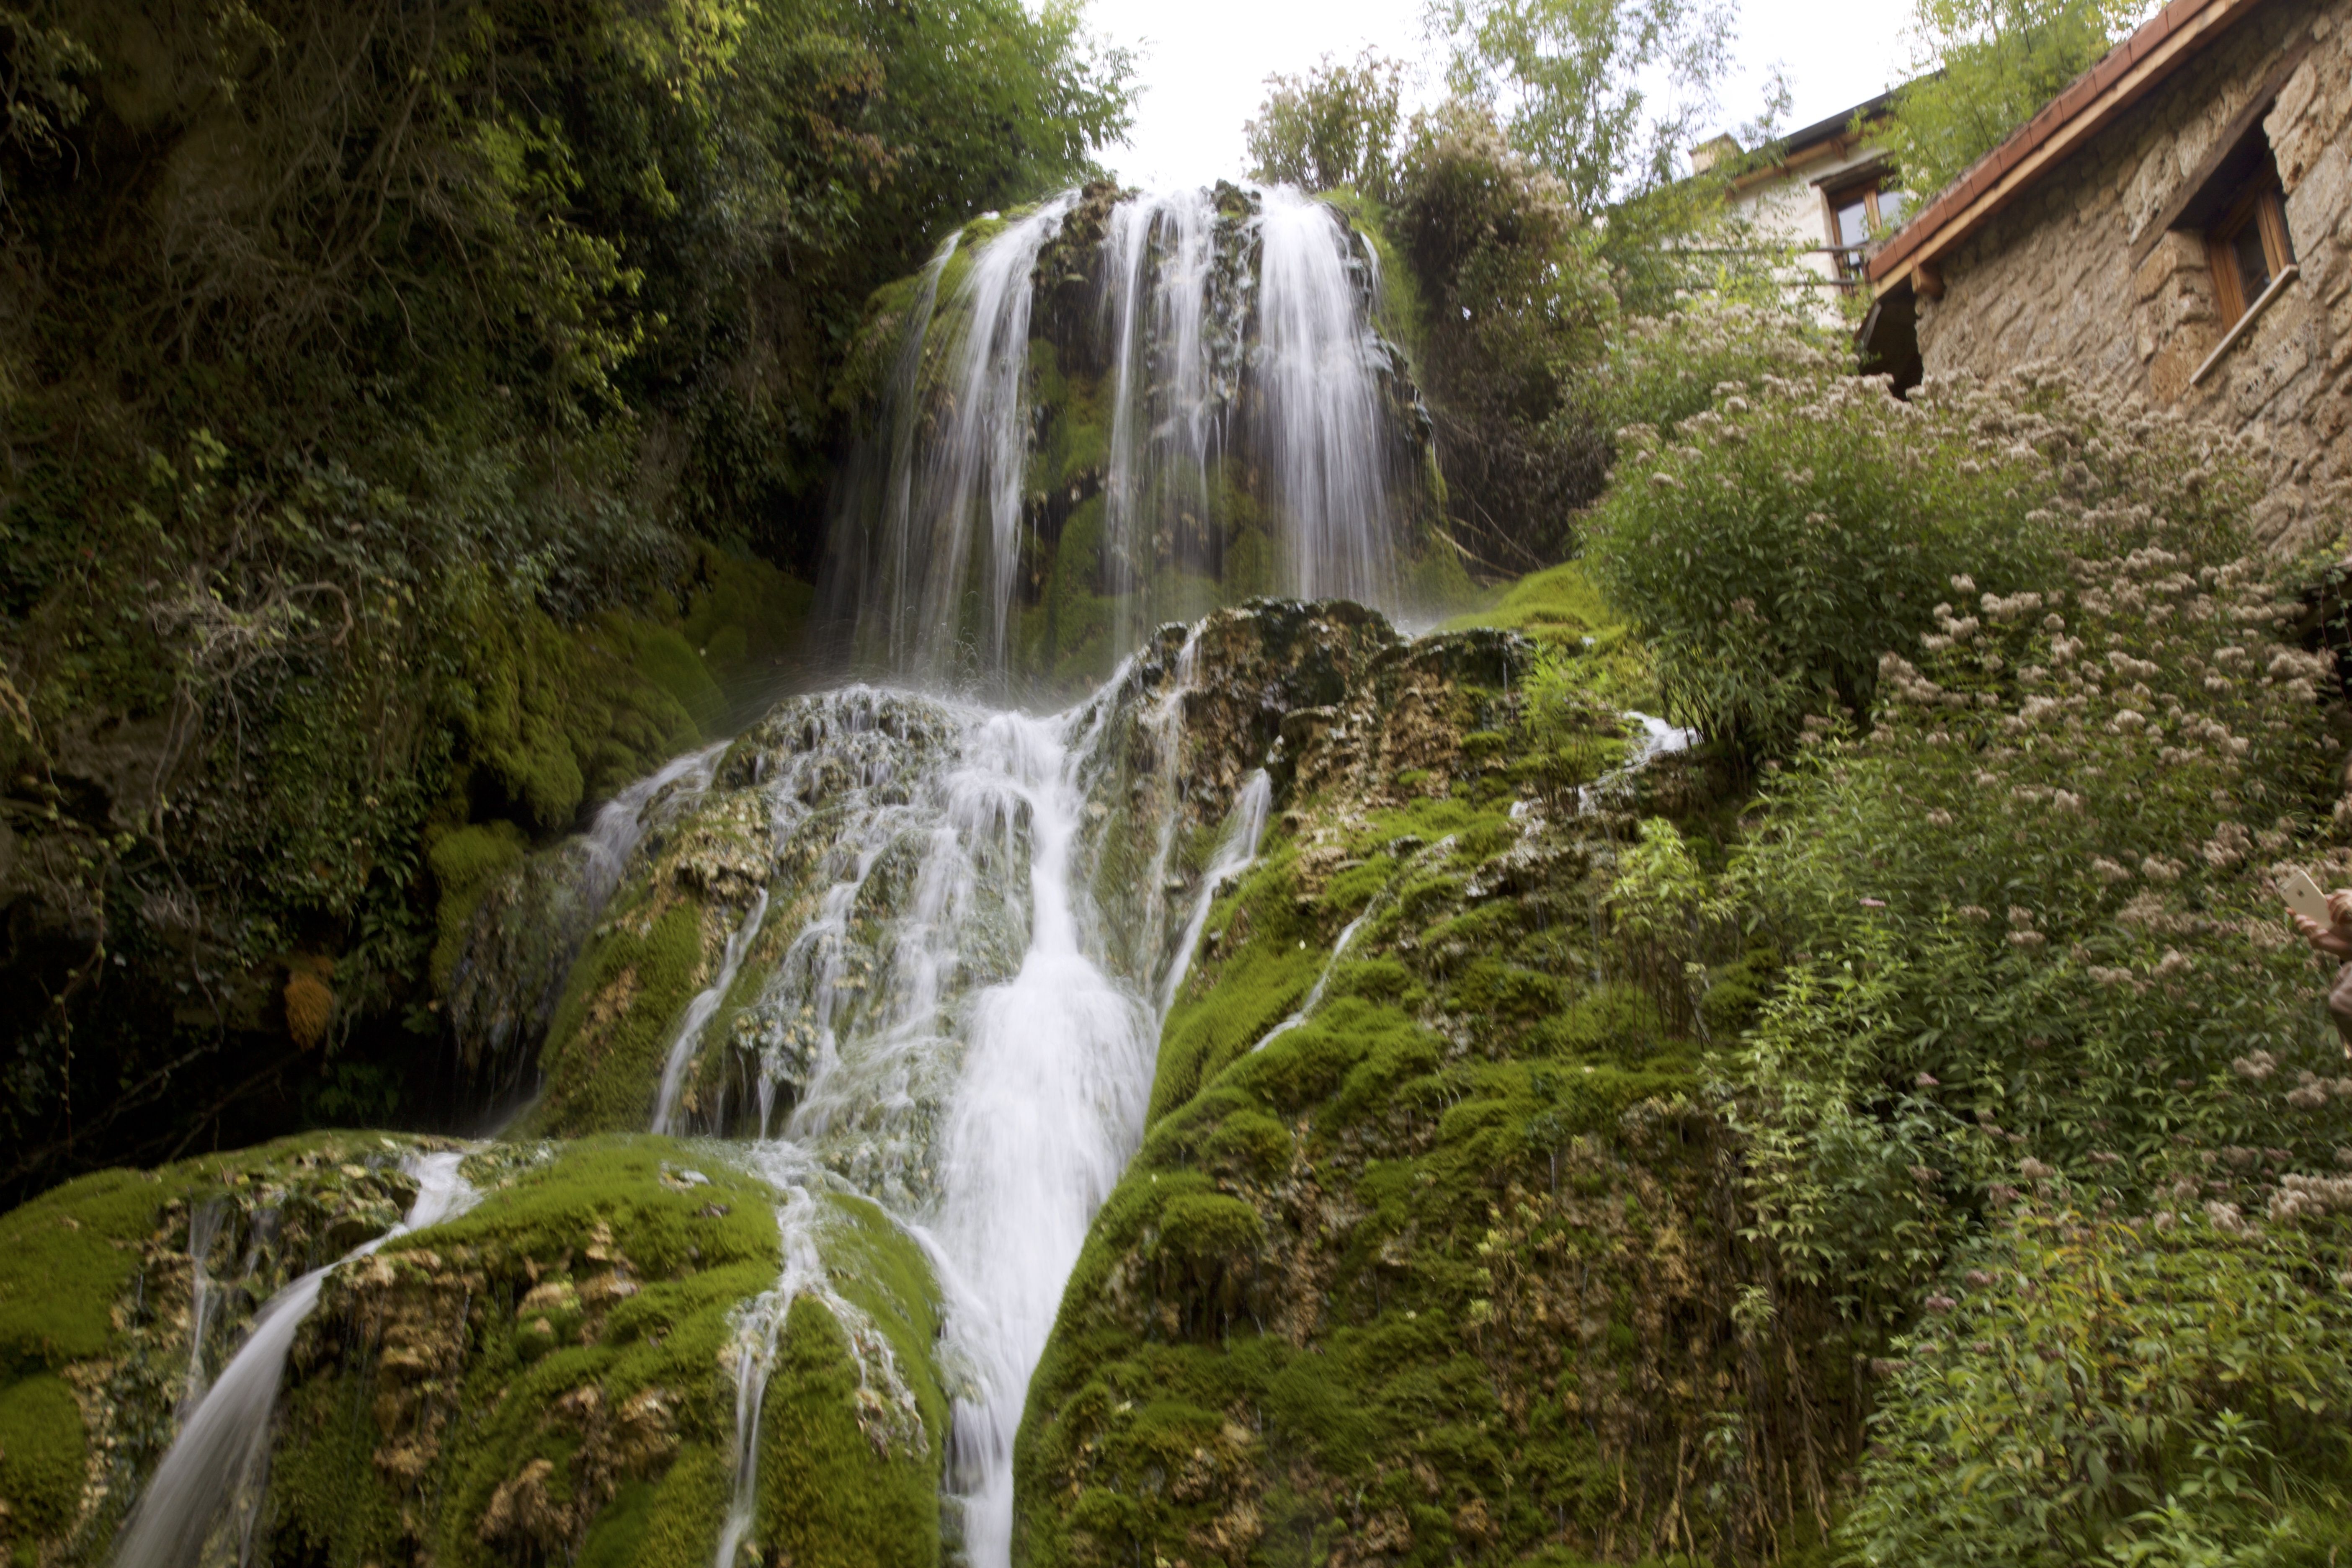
2304, 896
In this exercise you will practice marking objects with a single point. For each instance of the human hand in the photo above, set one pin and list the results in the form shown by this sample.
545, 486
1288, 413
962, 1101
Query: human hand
2334, 940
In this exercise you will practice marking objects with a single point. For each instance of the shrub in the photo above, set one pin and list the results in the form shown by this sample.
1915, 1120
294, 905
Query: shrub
2030, 917
2160, 1390
1773, 546
1517, 302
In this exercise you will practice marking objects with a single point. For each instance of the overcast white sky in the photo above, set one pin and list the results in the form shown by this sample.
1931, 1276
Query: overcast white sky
1204, 65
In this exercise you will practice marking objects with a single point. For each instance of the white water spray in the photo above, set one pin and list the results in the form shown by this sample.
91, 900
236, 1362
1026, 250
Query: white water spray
219, 1462
1321, 409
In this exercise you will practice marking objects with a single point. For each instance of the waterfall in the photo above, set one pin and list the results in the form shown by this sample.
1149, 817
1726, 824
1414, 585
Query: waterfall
1226, 420
1321, 405
936, 584
219, 1461
1057, 1074
949, 1023
1168, 400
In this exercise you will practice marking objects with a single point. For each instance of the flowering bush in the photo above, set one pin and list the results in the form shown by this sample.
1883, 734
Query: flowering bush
2032, 913
2154, 1392
1771, 547
2034, 954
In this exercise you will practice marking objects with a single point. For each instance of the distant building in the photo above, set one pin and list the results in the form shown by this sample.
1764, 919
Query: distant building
1825, 190
2176, 226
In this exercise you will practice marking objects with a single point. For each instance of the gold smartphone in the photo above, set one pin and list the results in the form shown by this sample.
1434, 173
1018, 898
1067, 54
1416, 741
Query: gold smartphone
2304, 896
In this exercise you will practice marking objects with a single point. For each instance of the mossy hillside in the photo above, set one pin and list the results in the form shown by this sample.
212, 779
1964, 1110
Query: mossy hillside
552, 1374
96, 1289
1562, 608
561, 718
1446, 1272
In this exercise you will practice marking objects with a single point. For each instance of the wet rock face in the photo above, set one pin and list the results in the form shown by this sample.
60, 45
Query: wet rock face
850, 785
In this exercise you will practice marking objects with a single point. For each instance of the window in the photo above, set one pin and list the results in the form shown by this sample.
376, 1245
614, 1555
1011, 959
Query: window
1858, 213
2250, 245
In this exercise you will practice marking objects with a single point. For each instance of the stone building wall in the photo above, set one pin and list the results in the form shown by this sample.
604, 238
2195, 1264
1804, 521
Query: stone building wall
2053, 276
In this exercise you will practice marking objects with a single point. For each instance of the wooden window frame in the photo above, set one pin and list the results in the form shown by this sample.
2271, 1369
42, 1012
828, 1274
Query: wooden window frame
2263, 205
1847, 257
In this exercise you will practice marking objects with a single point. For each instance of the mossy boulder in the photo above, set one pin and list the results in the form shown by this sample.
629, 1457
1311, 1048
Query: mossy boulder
555, 1375
1430, 1252
101, 1332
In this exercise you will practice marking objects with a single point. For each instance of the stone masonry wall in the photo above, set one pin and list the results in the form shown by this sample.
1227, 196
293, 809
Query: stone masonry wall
2052, 277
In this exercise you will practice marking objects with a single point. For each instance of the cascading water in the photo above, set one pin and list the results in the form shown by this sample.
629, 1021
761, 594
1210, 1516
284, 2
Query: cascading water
967, 926
1119, 410
1321, 405
952, 1025
217, 1464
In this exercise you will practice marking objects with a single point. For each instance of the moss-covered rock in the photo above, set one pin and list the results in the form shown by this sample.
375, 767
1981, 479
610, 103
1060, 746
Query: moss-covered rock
555, 1375
1430, 1253
123, 1290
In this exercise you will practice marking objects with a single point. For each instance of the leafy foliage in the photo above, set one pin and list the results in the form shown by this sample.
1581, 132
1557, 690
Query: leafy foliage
1337, 125
392, 391
1573, 81
1981, 69
1517, 305
2040, 1091
1775, 545
2157, 1392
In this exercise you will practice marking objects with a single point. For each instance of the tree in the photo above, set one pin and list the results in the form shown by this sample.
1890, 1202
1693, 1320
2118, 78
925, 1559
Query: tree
1337, 125
1981, 69
1572, 82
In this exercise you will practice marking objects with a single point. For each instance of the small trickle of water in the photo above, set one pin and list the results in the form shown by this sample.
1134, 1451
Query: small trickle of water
1237, 851
219, 1463
1657, 739
204, 1229
698, 1013
801, 1220
524, 938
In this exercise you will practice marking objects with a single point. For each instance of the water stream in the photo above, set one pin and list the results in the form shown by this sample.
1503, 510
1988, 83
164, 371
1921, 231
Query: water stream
1227, 370
218, 1464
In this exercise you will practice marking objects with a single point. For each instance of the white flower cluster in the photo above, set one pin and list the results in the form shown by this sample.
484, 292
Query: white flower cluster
2316, 1196
2312, 1091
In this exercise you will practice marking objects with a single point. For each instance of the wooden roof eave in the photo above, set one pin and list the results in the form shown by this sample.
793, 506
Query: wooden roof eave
2085, 107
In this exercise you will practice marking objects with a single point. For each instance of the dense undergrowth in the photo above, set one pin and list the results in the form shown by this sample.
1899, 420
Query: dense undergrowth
2045, 1093
412, 419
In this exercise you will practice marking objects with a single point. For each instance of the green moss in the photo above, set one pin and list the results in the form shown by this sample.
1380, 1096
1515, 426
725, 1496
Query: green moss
745, 620
663, 657
1230, 1001
465, 862
1560, 603
42, 1454
554, 1355
611, 1031
1437, 1275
